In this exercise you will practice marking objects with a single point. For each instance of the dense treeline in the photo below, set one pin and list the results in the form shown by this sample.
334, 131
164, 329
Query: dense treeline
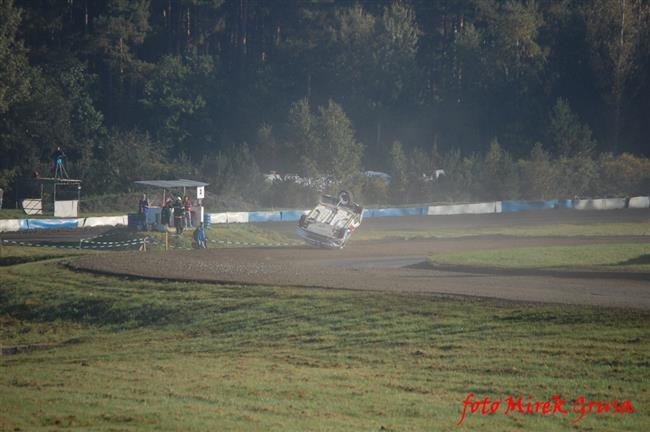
511, 98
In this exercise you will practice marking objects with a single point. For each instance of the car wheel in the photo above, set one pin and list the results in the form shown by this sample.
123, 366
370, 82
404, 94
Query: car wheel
344, 197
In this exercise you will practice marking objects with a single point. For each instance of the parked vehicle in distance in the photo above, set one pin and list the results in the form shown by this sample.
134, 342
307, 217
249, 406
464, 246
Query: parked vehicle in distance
331, 223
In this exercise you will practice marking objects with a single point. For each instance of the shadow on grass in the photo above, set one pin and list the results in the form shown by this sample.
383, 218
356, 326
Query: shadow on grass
93, 311
641, 259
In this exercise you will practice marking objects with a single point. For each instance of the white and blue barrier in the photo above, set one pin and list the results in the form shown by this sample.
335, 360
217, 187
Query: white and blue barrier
294, 215
265, 216
517, 206
52, 223
105, 220
10, 225
600, 204
394, 212
639, 202
456, 209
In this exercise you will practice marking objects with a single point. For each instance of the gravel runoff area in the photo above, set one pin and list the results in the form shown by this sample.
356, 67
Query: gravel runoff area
396, 265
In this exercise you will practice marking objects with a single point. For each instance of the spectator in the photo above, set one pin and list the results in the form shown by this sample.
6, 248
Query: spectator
59, 169
187, 207
178, 215
143, 208
2, 192
166, 212
200, 238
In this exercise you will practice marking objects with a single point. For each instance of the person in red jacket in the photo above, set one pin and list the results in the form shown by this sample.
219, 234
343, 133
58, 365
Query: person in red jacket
187, 206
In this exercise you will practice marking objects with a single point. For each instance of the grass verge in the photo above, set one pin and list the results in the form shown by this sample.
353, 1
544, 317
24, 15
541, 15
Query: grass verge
633, 257
139, 355
240, 233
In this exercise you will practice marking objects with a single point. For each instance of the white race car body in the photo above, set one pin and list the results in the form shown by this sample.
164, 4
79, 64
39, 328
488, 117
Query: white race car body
330, 223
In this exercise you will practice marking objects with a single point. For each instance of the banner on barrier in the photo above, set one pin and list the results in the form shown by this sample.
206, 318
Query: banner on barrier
218, 218
600, 204
237, 217
52, 223
9, 225
516, 206
639, 202
455, 209
397, 211
292, 215
105, 221
264, 216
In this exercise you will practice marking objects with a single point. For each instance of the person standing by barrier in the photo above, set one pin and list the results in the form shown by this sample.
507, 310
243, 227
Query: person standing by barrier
143, 207
200, 239
2, 192
187, 208
178, 215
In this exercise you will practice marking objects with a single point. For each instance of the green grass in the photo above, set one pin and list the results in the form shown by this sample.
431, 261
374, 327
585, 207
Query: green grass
606, 257
558, 230
10, 255
139, 355
242, 233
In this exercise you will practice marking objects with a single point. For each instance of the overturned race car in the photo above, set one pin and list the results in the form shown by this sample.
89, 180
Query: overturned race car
331, 223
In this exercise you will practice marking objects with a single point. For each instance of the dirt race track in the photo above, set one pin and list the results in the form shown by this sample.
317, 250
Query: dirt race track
397, 265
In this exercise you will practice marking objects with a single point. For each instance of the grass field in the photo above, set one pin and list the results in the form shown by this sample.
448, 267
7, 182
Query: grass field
602, 257
104, 353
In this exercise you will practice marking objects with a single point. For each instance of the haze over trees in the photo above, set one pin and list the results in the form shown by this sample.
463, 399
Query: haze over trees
512, 98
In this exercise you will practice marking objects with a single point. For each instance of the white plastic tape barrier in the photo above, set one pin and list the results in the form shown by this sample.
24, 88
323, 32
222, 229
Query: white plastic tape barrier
9, 225
477, 208
105, 220
600, 204
639, 202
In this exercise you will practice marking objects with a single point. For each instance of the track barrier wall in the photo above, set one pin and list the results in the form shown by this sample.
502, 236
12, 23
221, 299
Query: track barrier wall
30, 224
455, 209
265, 216
516, 206
600, 204
394, 212
294, 215
10, 225
639, 202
